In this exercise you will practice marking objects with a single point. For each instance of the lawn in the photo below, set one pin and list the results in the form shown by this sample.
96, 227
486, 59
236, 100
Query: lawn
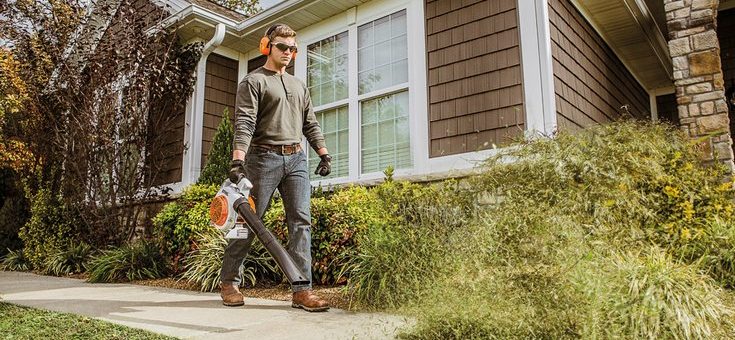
18, 322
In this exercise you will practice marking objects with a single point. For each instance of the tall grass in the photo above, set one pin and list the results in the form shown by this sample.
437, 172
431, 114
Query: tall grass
203, 265
68, 261
136, 261
15, 260
601, 234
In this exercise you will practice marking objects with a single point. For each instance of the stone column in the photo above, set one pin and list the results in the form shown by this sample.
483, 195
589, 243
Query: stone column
700, 94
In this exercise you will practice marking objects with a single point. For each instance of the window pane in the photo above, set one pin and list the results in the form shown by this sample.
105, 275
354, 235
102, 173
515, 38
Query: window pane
400, 71
365, 34
398, 47
367, 59
398, 23
382, 53
337, 140
381, 77
385, 142
327, 69
381, 29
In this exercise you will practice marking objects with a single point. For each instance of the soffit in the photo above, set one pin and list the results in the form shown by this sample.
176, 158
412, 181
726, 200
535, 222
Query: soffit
632, 30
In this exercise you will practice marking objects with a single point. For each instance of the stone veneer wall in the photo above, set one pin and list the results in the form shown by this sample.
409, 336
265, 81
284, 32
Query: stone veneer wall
695, 51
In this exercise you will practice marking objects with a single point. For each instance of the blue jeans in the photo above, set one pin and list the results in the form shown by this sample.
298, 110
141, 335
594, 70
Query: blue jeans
269, 171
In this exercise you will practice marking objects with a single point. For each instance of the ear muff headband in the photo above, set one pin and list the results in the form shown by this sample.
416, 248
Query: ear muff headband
265, 42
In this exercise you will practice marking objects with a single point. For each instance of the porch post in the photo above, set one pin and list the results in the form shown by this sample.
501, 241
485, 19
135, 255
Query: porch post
700, 95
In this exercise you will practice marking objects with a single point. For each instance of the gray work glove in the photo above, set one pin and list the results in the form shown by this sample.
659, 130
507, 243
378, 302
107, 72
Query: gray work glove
237, 169
325, 165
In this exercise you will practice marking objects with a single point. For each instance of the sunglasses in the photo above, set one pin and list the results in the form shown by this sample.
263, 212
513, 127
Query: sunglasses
283, 47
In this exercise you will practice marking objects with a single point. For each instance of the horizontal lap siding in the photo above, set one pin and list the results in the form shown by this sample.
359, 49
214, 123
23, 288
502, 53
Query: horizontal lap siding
590, 82
220, 88
474, 75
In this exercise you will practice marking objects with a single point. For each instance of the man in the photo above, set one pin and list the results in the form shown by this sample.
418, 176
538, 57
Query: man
273, 111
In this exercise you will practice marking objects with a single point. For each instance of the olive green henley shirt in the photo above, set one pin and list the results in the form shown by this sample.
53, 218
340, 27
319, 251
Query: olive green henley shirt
275, 109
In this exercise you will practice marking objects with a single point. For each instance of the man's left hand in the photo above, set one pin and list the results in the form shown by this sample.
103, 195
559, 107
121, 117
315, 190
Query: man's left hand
325, 165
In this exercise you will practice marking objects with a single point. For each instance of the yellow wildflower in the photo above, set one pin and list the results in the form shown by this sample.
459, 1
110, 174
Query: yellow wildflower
671, 191
685, 234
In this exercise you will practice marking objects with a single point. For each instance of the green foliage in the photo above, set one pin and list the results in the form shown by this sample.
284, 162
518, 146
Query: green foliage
15, 260
554, 240
335, 224
649, 295
713, 250
68, 261
403, 253
136, 261
220, 155
18, 322
53, 225
204, 263
178, 222
247, 7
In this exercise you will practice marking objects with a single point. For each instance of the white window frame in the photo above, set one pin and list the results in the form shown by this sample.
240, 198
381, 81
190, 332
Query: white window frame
349, 21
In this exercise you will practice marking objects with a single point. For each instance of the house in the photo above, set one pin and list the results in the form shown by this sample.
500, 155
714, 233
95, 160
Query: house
433, 86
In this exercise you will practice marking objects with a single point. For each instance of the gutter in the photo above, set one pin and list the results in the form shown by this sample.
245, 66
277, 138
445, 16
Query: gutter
192, 167
234, 26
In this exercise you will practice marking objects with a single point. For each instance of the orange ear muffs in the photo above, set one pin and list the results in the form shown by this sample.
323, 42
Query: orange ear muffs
265, 45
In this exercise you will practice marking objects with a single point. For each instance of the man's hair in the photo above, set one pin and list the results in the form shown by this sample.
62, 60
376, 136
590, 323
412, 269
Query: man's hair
280, 30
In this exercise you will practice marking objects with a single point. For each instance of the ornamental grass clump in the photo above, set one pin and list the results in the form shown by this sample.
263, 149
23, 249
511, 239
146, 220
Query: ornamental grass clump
15, 260
616, 231
136, 261
67, 261
203, 264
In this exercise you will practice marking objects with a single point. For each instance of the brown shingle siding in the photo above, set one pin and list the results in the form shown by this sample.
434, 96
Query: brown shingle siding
219, 94
474, 74
591, 83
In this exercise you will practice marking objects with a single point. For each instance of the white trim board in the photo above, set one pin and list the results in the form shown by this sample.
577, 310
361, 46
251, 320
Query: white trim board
539, 98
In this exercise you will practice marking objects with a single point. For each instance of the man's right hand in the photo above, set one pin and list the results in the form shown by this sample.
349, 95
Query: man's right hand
237, 168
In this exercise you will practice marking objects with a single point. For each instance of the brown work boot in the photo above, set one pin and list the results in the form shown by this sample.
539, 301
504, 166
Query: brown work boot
231, 295
307, 300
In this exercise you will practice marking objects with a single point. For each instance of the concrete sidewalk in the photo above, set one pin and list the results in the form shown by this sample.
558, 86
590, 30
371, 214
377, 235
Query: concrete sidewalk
188, 314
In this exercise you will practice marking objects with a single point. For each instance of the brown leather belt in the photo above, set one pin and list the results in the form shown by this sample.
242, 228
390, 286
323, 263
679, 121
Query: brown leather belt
280, 149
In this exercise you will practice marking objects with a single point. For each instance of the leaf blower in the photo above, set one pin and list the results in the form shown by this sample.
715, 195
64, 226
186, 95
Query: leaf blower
231, 207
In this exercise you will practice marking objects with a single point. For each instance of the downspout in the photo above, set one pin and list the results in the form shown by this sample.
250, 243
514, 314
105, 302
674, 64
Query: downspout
191, 167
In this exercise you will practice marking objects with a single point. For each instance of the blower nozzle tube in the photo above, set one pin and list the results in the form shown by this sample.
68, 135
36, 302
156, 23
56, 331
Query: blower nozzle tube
293, 274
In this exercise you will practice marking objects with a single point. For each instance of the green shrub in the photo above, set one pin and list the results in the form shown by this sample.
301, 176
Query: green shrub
649, 295
713, 250
538, 255
178, 222
400, 255
203, 265
136, 261
15, 260
68, 261
336, 222
220, 155
53, 225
